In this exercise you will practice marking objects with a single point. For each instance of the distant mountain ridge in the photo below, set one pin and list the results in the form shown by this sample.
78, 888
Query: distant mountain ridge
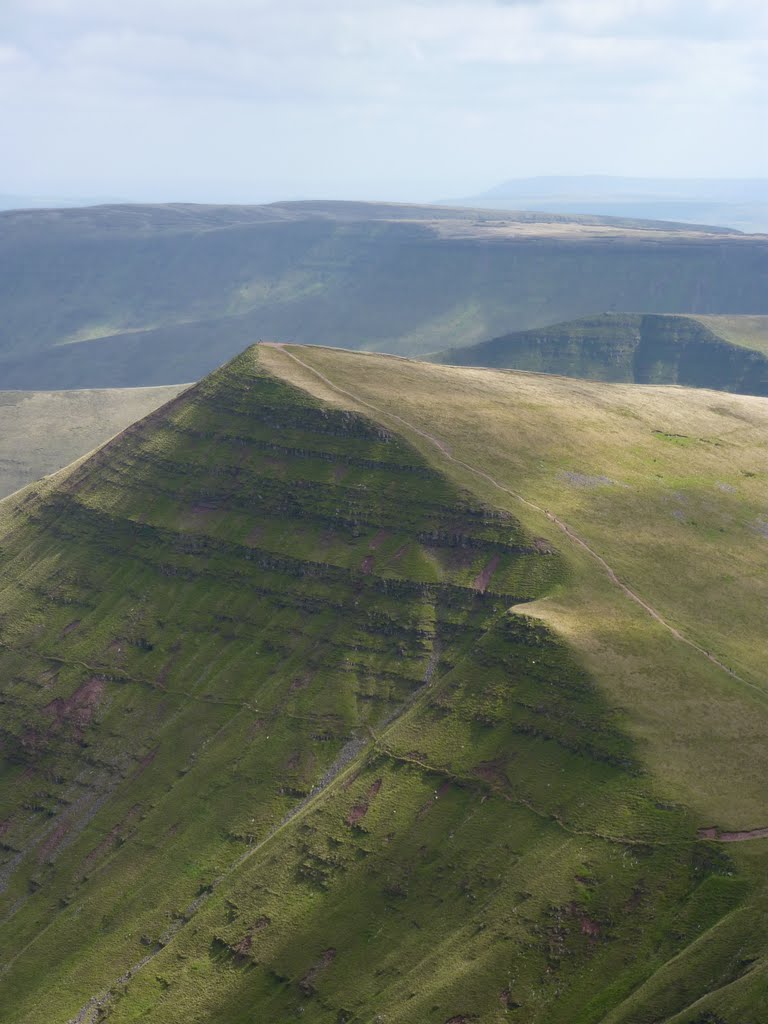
118, 296
735, 202
42, 431
592, 185
632, 348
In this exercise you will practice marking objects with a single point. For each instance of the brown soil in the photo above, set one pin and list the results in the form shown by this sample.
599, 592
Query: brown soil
255, 729
587, 926
360, 810
379, 539
351, 779
492, 772
713, 832
53, 841
339, 472
366, 566
357, 813
307, 983
427, 807
71, 627
243, 947
300, 682
77, 709
484, 578
145, 762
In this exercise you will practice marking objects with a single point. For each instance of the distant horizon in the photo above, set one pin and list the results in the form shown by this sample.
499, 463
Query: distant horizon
231, 101
77, 198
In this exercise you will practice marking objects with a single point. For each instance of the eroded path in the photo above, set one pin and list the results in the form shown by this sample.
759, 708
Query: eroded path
570, 533
732, 837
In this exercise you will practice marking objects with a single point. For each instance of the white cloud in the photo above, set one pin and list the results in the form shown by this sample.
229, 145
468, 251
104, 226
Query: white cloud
430, 75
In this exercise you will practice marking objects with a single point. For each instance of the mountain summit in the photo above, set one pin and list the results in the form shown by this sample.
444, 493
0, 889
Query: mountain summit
280, 740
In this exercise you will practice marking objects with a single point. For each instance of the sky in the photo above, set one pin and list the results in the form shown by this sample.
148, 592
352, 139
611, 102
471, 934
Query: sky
256, 100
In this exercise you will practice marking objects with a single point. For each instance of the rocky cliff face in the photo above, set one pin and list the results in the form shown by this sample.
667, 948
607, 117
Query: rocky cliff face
625, 347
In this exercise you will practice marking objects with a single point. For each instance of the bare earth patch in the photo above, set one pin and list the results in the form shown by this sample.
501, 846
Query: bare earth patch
484, 578
713, 832
77, 709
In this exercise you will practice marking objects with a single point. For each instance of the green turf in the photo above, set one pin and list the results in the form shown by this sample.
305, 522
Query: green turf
139, 295
42, 431
246, 588
728, 353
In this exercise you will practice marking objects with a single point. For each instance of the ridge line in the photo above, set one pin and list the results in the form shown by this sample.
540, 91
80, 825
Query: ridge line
571, 534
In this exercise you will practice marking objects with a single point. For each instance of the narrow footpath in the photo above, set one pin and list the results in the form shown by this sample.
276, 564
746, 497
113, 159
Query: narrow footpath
570, 534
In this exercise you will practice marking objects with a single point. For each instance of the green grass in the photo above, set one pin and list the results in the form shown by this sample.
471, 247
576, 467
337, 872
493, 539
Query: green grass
42, 431
723, 352
679, 523
747, 331
197, 620
136, 295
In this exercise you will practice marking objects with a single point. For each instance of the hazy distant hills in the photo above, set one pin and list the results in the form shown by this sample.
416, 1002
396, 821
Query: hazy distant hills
736, 202
42, 431
140, 295
725, 353
37, 202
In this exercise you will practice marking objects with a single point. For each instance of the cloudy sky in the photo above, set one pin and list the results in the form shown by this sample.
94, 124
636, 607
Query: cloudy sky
251, 100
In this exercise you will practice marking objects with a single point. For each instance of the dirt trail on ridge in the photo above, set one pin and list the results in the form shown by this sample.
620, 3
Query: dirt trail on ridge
571, 534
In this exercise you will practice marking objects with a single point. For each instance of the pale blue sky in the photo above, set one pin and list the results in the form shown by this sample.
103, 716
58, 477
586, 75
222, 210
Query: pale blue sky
251, 100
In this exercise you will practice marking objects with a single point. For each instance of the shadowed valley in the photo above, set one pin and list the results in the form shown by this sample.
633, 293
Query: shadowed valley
119, 296
726, 353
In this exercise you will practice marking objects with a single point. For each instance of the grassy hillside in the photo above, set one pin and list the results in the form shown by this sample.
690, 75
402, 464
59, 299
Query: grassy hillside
147, 295
726, 353
42, 431
747, 331
276, 746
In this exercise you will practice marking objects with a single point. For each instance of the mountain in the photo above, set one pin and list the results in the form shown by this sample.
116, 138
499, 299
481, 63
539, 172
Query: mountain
592, 186
42, 431
17, 202
120, 296
725, 353
342, 688
740, 203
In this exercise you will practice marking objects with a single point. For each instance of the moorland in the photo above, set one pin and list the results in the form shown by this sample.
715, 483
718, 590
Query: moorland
117, 296
350, 687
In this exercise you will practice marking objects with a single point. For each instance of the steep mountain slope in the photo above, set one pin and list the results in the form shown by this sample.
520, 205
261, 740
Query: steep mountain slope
275, 746
42, 431
746, 331
123, 296
709, 352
